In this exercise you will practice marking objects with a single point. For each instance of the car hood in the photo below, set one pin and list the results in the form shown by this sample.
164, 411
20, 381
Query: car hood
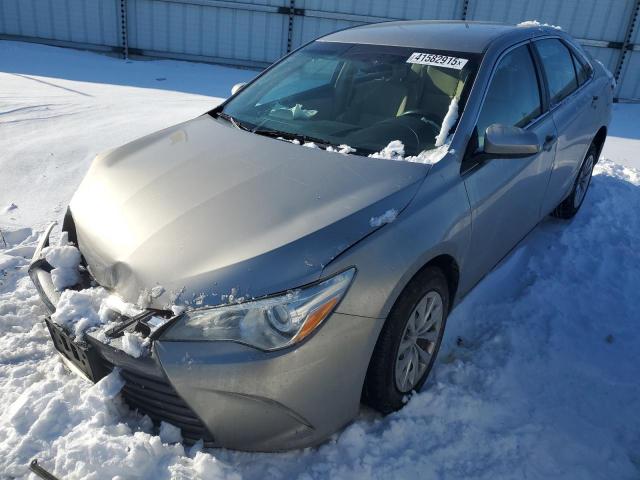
202, 210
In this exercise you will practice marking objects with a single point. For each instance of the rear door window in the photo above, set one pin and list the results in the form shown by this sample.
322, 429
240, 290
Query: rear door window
513, 97
558, 67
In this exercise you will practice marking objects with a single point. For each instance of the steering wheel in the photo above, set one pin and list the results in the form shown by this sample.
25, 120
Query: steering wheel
430, 117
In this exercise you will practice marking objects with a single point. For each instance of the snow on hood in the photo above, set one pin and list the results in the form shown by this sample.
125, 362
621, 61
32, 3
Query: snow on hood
202, 208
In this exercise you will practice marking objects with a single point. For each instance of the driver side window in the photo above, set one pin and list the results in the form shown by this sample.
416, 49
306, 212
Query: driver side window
513, 97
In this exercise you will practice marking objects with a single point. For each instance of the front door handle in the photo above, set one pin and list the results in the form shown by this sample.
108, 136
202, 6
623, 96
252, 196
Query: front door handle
594, 101
549, 140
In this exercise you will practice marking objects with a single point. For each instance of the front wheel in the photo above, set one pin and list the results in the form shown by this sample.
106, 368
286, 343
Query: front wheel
570, 205
409, 342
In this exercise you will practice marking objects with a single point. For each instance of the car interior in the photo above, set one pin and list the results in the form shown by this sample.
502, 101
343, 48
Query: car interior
365, 102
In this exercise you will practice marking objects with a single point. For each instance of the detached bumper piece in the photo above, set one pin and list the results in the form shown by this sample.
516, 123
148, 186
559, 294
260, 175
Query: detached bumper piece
146, 388
41, 472
40, 273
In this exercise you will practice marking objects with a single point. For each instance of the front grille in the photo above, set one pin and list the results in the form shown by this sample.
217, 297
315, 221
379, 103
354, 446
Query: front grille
155, 397
146, 387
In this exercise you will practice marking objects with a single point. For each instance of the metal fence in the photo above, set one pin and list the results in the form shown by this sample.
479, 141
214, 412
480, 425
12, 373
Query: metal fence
257, 32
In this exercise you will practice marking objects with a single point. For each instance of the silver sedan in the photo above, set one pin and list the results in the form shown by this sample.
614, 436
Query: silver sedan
296, 251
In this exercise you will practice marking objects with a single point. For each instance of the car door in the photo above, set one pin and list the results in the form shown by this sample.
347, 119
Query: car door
570, 99
506, 194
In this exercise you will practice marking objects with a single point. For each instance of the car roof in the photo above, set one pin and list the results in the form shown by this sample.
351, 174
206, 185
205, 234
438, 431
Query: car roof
462, 36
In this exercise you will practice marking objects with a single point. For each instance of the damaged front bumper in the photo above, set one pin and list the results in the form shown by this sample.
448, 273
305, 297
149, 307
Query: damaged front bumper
224, 393
40, 272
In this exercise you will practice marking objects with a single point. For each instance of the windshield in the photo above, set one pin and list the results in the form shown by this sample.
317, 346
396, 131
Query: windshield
360, 96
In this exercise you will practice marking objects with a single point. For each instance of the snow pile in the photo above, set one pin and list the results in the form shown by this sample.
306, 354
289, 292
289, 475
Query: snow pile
170, 433
116, 304
536, 23
395, 151
7, 262
79, 311
15, 236
448, 122
134, 344
387, 217
65, 260
344, 149
146, 296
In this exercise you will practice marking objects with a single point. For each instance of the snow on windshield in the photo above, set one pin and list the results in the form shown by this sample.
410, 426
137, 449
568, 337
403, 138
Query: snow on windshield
395, 151
448, 122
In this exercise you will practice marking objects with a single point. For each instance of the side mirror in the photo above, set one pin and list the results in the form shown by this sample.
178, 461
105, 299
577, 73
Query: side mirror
510, 141
237, 87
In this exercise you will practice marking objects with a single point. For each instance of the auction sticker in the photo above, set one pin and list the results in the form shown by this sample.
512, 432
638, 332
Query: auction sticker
437, 60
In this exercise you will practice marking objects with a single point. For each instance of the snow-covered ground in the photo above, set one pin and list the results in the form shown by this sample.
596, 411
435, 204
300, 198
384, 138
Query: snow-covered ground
539, 376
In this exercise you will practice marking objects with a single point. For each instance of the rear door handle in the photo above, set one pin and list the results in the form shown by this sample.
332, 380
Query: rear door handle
549, 140
594, 101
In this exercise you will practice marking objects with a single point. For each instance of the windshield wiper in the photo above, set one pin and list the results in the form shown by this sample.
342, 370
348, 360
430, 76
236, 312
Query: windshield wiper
233, 121
293, 136
279, 134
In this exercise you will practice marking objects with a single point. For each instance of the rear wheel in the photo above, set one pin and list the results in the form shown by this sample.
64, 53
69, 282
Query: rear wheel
409, 342
570, 205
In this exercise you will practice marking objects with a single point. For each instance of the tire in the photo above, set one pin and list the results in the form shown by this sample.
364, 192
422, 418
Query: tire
385, 390
570, 205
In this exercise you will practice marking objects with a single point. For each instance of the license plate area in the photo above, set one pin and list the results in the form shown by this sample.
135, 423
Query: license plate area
84, 358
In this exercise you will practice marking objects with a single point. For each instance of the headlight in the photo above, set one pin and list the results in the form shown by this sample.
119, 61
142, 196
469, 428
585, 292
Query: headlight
270, 323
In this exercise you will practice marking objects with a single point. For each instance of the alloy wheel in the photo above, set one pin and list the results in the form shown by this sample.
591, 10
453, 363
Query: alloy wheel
584, 177
419, 341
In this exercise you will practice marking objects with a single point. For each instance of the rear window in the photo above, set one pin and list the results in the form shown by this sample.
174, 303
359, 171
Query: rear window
558, 68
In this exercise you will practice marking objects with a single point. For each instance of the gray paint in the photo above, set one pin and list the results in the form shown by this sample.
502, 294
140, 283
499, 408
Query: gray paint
197, 207
505, 141
280, 400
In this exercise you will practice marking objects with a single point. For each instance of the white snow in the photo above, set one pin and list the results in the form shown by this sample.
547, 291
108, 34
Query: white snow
16, 236
157, 291
344, 149
134, 344
536, 23
81, 310
65, 260
170, 433
395, 151
537, 377
387, 217
433, 156
449, 120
